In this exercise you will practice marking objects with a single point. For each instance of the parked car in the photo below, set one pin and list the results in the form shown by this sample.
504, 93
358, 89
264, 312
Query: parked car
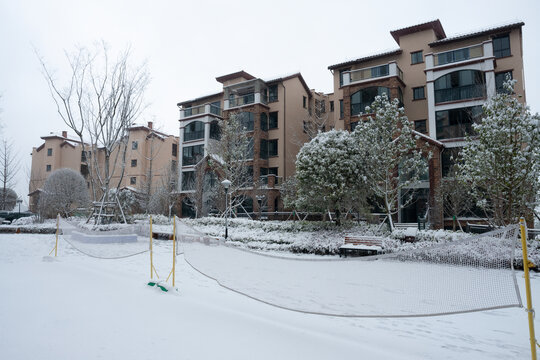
7, 217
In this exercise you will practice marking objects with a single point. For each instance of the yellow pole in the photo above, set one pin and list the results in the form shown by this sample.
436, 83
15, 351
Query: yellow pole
526, 265
57, 230
174, 250
151, 260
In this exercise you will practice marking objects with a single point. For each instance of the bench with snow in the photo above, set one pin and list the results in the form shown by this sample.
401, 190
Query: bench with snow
361, 246
406, 231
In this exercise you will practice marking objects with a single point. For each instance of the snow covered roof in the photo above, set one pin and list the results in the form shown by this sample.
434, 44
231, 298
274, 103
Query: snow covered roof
485, 31
200, 98
435, 25
60, 135
428, 138
367, 58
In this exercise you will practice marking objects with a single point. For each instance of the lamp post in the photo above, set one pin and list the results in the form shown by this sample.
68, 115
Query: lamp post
226, 183
19, 201
260, 199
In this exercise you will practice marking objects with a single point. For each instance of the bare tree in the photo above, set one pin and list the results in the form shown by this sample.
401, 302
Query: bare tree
154, 148
100, 103
9, 166
165, 197
229, 157
454, 196
63, 191
317, 120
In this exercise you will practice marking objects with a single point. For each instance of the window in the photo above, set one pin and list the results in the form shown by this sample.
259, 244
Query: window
263, 153
341, 76
304, 101
246, 120
353, 125
272, 93
174, 149
83, 156
500, 78
365, 97
379, 71
420, 126
134, 145
419, 93
273, 120
133, 180
460, 85
416, 57
264, 122
457, 123
215, 130
48, 168
501, 46
192, 155
194, 131
215, 108
263, 171
331, 106
49, 152
341, 109
273, 147
188, 180
134, 163
273, 171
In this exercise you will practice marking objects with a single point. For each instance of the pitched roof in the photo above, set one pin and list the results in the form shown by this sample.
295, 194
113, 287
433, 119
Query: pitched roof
200, 98
435, 25
292, 76
486, 31
235, 75
366, 58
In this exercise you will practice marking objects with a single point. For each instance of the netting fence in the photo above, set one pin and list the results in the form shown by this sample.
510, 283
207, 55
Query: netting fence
472, 274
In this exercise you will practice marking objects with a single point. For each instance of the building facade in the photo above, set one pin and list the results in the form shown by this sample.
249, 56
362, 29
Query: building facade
150, 154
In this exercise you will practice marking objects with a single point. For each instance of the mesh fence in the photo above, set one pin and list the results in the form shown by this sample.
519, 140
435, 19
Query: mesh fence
472, 274
106, 242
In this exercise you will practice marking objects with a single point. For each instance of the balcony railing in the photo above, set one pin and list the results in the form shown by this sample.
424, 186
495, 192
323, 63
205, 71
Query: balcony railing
241, 100
200, 110
460, 93
353, 76
448, 57
264, 180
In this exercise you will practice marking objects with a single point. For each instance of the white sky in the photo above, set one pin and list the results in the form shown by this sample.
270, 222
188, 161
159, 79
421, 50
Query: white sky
188, 44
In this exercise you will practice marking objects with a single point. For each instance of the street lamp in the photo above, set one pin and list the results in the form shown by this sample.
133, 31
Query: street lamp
19, 201
260, 199
226, 183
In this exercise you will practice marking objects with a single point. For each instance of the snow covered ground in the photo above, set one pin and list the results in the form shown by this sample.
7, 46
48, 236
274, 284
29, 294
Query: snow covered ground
78, 307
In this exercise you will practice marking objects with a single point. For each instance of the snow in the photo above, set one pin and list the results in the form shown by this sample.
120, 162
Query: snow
86, 308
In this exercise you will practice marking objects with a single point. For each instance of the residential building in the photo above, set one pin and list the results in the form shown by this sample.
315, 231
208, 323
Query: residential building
442, 83
150, 154
274, 112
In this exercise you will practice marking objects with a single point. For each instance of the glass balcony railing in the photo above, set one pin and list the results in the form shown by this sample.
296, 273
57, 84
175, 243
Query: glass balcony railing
195, 110
263, 180
467, 53
216, 110
460, 93
200, 109
372, 73
247, 99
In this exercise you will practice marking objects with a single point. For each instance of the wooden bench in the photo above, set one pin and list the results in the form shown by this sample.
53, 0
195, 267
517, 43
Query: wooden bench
361, 246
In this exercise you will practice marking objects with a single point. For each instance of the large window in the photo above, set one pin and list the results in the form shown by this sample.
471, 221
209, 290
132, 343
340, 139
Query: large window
416, 57
194, 131
215, 130
457, 123
246, 120
341, 76
500, 78
192, 154
188, 180
273, 120
460, 85
420, 126
174, 149
419, 93
501, 46
273, 147
272, 93
365, 97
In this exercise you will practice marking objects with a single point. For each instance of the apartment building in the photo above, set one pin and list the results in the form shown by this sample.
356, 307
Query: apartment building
149, 152
442, 83
274, 113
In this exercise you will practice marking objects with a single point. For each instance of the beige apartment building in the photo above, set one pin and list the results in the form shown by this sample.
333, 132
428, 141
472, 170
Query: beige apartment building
149, 152
442, 83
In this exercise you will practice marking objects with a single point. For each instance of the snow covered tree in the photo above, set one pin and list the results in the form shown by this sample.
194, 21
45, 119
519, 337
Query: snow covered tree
318, 119
454, 196
8, 199
330, 174
502, 160
9, 166
63, 191
229, 156
392, 161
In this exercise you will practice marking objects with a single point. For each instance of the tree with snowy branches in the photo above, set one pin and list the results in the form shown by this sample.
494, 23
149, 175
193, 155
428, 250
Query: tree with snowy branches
502, 160
330, 174
63, 191
392, 161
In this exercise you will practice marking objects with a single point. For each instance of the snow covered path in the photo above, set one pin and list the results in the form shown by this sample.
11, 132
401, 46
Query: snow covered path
84, 308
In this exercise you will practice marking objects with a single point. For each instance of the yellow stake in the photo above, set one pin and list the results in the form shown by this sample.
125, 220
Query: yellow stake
151, 260
57, 229
526, 265
174, 249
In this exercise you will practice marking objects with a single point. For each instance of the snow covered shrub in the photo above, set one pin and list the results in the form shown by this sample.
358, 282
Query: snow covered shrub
502, 161
63, 191
8, 199
330, 174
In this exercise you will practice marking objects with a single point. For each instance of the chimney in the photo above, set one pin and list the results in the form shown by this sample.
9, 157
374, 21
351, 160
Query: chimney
150, 124
64, 134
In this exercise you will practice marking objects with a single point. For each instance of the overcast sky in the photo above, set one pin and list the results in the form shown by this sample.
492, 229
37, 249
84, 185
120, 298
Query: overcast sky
186, 44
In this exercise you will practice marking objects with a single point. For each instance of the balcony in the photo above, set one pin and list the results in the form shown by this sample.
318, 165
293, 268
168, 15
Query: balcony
206, 109
474, 91
246, 99
458, 55
374, 72
270, 181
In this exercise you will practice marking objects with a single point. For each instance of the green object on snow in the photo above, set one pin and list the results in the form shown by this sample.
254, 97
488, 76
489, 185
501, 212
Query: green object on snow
163, 288
152, 283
